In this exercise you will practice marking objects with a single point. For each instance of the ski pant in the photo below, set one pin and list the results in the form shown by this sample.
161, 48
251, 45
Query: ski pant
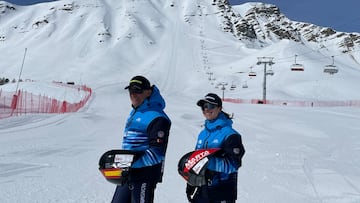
225, 192
202, 199
135, 192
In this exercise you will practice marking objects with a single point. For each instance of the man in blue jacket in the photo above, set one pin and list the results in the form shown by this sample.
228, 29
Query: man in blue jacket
146, 134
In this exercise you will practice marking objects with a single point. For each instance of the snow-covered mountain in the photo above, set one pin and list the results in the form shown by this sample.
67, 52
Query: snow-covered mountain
266, 24
219, 44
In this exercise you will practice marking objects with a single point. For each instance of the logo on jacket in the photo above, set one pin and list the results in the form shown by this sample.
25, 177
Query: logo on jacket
216, 141
236, 151
160, 134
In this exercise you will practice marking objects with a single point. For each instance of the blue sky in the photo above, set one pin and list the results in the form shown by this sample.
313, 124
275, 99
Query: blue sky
27, 2
340, 15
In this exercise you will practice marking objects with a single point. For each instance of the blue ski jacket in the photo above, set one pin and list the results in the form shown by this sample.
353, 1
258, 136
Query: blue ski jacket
219, 133
146, 132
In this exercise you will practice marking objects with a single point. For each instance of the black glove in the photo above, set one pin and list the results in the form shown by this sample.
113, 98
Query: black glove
191, 192
221, 153
125, 176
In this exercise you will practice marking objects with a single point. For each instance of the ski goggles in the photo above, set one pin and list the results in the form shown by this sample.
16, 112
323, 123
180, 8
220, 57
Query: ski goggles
208, 106
135, 90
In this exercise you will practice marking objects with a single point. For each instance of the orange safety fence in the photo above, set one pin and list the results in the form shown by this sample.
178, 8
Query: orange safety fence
24, 102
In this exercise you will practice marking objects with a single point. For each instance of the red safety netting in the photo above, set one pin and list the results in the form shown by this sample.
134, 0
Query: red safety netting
348, 103
24, 102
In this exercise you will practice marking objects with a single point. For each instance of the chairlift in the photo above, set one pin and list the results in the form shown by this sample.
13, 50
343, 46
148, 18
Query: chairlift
233, 86
331, 69
252, 73
2, 38
270, 72
245, 85
297, 66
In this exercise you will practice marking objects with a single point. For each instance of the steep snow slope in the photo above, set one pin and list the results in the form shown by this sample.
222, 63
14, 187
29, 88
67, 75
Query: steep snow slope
185, 41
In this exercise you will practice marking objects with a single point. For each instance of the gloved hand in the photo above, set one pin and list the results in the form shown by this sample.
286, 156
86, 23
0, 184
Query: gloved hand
221, 153
125, 175
191, 192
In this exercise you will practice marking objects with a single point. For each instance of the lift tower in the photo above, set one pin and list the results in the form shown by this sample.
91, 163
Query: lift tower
265, 61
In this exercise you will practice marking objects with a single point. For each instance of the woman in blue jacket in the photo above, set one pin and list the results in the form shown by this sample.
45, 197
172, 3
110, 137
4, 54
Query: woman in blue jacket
221, 173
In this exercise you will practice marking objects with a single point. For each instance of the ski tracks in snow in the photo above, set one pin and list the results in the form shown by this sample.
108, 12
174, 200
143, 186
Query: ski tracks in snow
331, 186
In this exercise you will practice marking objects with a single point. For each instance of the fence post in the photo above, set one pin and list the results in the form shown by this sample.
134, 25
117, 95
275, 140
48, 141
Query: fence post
63, 107
14, 102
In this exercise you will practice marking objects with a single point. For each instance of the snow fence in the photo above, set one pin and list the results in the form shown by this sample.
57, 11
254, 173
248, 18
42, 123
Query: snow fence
24, 102
344, 103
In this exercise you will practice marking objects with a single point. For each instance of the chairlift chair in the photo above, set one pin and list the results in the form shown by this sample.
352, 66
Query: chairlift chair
331, 69
270, 72
232, 87
297, 66
245, 85
252, 73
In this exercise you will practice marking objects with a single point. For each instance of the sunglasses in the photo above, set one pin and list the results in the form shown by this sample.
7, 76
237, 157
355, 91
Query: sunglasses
208, 106
135, 90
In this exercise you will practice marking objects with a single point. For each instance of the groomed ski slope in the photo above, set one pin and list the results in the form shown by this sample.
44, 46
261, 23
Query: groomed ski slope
293, 154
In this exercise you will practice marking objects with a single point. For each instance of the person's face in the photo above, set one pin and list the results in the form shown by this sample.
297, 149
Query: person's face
138, 97
210, 111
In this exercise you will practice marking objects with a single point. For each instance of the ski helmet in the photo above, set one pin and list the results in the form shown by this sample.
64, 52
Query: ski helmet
192, 166
115, 165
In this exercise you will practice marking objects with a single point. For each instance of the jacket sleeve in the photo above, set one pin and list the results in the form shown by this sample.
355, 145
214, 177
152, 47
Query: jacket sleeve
158, 132
152, 157
233, 149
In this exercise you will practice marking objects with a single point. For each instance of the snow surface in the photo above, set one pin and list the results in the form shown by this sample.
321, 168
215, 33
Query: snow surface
293, 154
